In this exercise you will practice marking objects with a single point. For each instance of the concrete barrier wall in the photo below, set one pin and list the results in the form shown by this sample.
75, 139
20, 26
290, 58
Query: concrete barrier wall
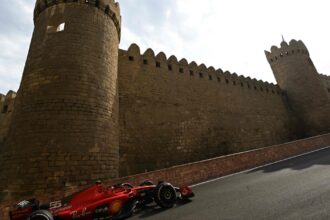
192, 173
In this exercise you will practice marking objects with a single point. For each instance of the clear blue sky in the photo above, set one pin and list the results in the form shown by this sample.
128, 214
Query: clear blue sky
231, 35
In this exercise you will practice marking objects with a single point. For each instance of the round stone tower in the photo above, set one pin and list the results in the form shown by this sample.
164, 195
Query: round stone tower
64, 130
296, 74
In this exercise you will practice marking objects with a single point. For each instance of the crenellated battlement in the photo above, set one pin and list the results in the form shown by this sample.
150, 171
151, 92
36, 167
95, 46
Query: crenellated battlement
11, 94
293, 48
326, 81
109, 7
325, 77
7, 102
2, 98
192, 69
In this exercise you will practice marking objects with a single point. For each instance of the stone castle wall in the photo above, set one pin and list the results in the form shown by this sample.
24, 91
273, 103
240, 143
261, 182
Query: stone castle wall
172, 112
165, 114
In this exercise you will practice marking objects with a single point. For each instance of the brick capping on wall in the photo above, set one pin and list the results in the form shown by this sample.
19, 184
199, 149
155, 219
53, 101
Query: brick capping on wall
197, 172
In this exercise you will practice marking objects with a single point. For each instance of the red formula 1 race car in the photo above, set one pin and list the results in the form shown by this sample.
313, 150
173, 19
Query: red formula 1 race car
98, 202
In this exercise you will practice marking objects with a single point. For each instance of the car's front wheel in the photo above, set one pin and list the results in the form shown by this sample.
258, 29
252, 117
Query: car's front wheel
41, 215
165, 195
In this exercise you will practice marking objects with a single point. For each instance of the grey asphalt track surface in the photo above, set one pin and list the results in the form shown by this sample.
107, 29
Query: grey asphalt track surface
294, 189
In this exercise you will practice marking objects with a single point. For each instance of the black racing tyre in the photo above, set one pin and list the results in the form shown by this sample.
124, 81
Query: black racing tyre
147, 183
41, 215
165, 195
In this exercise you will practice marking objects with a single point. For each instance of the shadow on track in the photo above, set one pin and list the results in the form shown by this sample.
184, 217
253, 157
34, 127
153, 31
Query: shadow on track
321, 157
153, 209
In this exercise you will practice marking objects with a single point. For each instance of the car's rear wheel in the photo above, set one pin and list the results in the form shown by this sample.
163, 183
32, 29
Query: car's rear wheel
165, 195
41, 215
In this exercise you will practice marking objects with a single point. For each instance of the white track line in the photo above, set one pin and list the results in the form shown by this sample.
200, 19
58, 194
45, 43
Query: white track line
255, 168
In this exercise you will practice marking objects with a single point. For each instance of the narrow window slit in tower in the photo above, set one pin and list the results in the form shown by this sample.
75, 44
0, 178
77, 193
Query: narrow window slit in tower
61, 27
210, 77
234, 83
131, 58
242, 84
158, 64
200, 75
191, 72
227, 81
145, 61
169, 67
181, 70
219, 80
56, 28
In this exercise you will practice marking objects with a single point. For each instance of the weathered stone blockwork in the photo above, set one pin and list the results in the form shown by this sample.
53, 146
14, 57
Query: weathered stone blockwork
296, 74
64, 128
173, 112
200, 171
